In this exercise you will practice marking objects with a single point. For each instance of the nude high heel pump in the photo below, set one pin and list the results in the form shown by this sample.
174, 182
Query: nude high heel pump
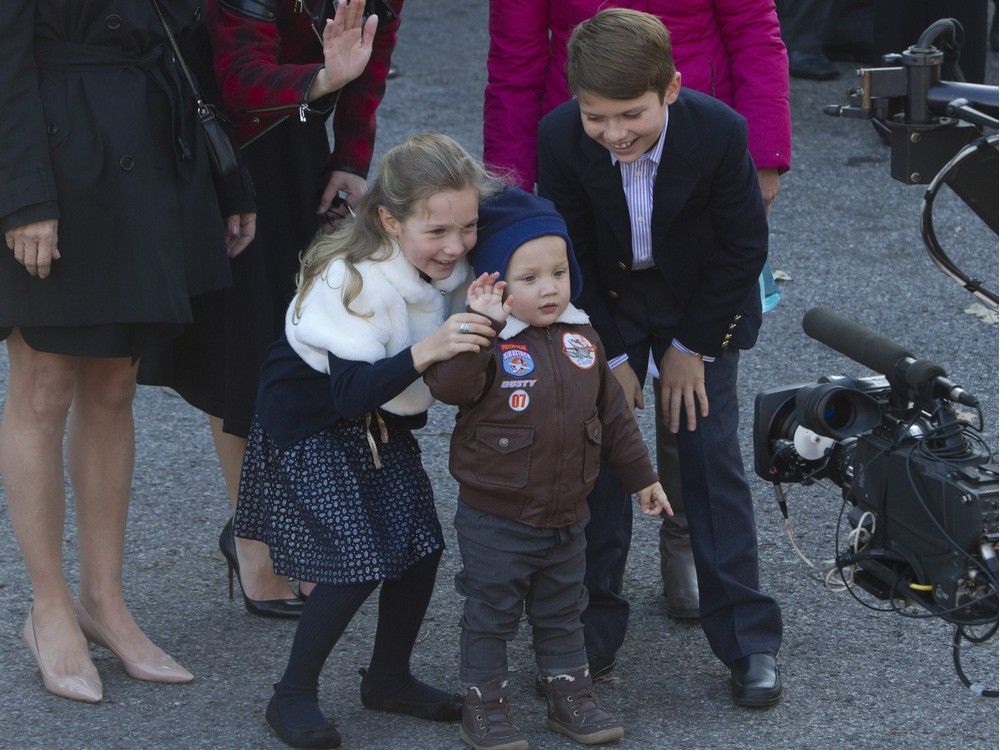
159, 668
85, 686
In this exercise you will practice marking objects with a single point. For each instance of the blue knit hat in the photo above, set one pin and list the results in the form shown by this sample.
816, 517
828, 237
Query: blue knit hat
511, 218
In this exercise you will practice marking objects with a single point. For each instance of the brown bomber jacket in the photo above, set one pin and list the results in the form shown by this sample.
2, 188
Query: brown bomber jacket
536, 413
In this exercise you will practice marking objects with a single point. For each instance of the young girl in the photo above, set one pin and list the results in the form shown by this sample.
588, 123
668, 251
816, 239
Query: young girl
332, 480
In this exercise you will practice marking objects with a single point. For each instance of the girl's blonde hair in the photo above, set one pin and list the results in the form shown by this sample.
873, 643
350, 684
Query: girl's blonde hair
408, 175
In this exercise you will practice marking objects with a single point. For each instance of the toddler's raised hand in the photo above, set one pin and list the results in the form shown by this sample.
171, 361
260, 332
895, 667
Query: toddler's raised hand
485, 297
653, 500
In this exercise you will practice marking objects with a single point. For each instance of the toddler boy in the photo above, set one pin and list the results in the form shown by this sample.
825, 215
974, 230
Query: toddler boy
536, 413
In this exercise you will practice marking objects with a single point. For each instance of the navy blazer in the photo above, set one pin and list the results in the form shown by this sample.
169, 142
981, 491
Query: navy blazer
709, 231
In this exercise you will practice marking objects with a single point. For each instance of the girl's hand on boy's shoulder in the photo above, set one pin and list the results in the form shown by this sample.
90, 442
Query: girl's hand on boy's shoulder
653, 500
486, 297
462, 332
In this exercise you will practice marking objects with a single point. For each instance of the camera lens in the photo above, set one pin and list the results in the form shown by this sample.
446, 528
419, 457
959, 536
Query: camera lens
835, 411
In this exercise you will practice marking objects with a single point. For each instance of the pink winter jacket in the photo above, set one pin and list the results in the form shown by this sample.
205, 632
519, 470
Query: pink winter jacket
730, 49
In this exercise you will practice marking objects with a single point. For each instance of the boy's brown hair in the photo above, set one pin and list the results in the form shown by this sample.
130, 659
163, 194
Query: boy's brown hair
620, 54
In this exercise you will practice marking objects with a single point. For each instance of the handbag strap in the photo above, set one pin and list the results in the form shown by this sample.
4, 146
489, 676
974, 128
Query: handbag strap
203, 108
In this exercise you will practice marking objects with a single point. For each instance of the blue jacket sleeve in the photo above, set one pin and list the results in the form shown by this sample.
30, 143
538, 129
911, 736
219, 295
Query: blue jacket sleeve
359, 387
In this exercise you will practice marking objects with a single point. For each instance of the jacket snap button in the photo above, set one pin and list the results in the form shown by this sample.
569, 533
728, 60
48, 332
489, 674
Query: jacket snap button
613, 295
113, 21
126, 163
503, 442
622, 266
255, 121
52, 130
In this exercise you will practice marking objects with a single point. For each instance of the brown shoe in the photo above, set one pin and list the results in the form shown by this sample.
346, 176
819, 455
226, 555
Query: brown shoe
680, 580
486, 722
575, 711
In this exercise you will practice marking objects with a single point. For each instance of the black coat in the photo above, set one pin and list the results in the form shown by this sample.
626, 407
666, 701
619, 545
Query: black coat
97, 130
709, 234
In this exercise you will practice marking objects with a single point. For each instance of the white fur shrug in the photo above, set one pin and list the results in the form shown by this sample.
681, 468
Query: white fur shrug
404, 308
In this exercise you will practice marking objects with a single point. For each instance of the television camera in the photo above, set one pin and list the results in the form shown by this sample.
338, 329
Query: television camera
919, 483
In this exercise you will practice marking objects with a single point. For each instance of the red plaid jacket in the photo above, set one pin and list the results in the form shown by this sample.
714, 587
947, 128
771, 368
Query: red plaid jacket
265, 62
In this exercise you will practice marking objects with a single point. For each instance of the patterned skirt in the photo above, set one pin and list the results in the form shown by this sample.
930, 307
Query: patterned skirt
328, 513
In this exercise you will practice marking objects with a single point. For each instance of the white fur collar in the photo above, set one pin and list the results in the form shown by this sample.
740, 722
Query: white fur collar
573, 315
394, 309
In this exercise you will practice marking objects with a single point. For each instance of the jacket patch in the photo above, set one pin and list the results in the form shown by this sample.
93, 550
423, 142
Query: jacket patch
516, 360
517, 383
519, 400
579, 350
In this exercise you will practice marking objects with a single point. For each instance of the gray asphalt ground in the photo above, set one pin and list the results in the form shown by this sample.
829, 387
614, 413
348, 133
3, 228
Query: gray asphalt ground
846, 235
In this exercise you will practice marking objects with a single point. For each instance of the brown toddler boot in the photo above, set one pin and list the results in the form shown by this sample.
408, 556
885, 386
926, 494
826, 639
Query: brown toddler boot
486, 722
575, 711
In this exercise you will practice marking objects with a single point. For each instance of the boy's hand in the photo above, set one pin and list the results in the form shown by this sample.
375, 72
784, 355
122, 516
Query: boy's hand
485, 297
629, 382
682, 379
653, 500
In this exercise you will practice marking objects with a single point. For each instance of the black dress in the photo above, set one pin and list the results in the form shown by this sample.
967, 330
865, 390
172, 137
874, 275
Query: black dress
99, 132
214, 364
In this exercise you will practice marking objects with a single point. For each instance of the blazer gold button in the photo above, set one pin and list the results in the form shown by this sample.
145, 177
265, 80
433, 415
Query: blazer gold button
113, 22
503, 442
613, 294
622, 266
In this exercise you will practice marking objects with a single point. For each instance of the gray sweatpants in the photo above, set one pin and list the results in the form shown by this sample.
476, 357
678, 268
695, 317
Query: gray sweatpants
507, 568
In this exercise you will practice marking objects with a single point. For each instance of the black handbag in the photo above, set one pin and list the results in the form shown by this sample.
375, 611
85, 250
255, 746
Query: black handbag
220, 147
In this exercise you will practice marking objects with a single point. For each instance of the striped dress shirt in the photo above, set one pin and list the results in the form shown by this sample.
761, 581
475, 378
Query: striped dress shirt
638, 178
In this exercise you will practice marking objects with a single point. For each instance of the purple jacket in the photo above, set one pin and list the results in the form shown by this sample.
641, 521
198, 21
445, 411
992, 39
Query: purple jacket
730, 49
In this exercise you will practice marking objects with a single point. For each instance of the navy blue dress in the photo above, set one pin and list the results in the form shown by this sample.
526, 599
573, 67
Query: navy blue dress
333, 485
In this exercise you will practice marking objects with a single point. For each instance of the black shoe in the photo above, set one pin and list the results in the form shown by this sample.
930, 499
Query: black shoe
756, 681
811, 66
449, 709
321, 737
285, 608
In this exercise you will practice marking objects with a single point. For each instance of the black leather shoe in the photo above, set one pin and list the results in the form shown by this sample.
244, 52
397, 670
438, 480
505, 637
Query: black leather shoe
283, 608
316, 737
449, 709
756, 681
811, 66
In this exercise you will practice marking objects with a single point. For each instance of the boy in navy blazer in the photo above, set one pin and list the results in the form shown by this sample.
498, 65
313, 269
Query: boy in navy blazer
666, 219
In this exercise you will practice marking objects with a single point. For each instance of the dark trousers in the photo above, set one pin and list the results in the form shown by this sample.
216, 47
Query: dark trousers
509, 568
738, 619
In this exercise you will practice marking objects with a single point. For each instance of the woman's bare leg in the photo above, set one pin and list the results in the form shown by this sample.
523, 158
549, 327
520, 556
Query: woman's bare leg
101, 458
259, 581
39, 392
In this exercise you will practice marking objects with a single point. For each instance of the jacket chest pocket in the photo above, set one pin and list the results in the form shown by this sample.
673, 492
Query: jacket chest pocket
503, 454
592, 448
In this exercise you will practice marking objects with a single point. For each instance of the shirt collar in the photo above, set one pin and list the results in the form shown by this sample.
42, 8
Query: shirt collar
656, 152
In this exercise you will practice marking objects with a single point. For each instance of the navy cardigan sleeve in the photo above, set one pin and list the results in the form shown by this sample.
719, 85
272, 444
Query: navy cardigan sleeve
295, 401
359, 387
